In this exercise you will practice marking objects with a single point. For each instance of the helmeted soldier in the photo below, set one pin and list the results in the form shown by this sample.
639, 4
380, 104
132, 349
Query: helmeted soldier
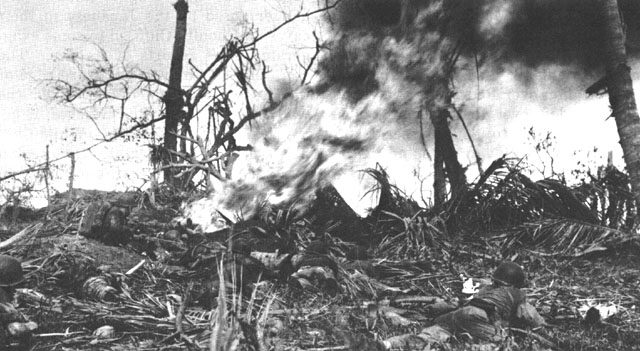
491, 311
11, 275
12, 323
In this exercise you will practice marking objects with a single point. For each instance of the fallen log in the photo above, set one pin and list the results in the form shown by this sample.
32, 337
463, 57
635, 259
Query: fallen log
22, 235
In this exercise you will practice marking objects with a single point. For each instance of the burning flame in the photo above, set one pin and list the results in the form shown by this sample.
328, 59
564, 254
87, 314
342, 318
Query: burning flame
304, 144
318, 134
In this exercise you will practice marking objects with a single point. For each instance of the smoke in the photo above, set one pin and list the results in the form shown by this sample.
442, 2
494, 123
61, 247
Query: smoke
386, 61
310, 140
500, 33
548, 51
567, 32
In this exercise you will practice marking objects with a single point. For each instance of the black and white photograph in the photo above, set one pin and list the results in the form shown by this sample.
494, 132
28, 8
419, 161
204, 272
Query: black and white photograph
320, 175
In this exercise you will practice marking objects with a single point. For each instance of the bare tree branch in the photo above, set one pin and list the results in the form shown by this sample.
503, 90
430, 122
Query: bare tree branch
264, 83
473, 145
300, 14
42, 166
108, 85
313, 58
94, 84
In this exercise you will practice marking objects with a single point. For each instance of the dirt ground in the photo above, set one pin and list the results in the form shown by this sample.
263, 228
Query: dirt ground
171, 302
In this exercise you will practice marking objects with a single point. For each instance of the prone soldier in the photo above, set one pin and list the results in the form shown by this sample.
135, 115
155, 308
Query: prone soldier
14, 327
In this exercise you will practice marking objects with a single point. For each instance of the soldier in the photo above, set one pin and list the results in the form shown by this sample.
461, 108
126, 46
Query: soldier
491, 311
484, 319
12, 323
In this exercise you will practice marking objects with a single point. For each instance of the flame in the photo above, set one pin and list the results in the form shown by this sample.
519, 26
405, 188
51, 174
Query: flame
318, 134
305, 144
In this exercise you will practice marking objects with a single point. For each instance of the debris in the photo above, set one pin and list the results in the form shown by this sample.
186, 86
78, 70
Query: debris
19, 329
99, 288
105, 223
92, 220
30, 296
136, 267
469, 287
405, 342
528, 314
11, 273
592, 316
105, 332
27, 232
317, 276
593, 313
73, 280
272, 260
392, 314
180, 316
171, 234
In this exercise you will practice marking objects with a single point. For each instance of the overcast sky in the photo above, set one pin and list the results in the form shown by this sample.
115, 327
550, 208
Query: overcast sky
33, 32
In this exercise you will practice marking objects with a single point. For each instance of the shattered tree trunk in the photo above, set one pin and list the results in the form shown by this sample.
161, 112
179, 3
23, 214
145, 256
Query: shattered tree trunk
621, 95
439, 177
173, 98
445, 158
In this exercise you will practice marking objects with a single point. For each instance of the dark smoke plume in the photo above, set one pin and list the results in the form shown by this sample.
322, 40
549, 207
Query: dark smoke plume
497, 33
566, 32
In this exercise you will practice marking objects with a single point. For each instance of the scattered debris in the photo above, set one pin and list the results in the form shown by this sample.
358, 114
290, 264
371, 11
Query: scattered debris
99, 288
593, 313
263, 277
104, 332
106, 223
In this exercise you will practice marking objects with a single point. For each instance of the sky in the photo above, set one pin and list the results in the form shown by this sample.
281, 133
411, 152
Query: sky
34, 33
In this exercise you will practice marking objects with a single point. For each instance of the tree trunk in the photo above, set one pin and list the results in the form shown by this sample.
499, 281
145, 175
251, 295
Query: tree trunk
173, 98
445, 152
621, 96
439, 177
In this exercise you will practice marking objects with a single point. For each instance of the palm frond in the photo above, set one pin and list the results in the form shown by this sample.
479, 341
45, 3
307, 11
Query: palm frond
507, 197
562, 237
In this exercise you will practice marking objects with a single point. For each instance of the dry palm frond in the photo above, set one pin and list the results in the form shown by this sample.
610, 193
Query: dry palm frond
358, 285
283, 225
506, 197
609, 197
391, 198
562, 236
414, 241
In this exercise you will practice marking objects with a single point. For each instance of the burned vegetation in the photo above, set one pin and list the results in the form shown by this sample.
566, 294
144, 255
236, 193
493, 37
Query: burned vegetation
249, 244
326, 278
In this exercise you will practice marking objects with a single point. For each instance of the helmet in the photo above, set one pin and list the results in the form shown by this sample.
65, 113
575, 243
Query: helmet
509, 273
10, 271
